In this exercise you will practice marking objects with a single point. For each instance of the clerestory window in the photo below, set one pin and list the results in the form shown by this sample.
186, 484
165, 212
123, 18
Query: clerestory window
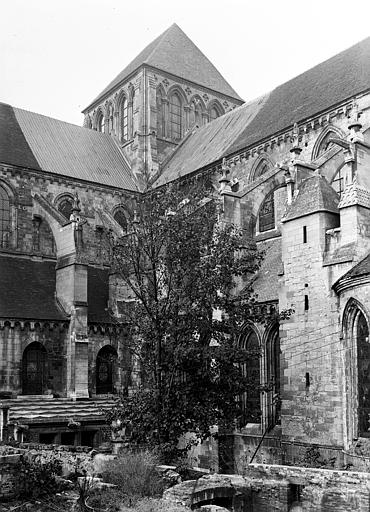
4, 218
175, 117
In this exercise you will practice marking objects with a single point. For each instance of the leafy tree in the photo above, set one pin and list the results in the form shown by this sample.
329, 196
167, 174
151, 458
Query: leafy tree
181, 265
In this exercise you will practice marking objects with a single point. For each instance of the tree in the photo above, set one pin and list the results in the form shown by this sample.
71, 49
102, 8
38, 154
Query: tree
182, 266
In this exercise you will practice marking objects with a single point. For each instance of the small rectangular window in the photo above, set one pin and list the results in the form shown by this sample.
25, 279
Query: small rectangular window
304, 234
306, 303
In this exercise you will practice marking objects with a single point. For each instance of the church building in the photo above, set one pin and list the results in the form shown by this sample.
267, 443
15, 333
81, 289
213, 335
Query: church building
292, 168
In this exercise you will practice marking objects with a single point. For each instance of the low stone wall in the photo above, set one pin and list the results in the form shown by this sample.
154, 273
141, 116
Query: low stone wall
8, 475
269, 488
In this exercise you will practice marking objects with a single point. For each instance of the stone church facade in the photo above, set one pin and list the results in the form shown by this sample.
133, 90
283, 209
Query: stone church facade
292, 168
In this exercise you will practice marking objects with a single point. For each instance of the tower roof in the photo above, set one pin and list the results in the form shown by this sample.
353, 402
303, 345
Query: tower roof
315, 195
175, 53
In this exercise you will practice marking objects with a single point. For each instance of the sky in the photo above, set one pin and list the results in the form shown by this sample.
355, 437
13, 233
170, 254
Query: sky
56, 56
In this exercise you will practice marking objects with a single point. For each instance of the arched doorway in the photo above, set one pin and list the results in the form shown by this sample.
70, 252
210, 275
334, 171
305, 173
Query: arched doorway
105, 370
34, 369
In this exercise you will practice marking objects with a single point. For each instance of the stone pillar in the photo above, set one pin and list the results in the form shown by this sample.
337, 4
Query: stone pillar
187, 117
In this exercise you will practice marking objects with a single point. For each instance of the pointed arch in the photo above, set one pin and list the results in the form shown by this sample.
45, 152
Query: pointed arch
261, 165
106, 369
355, 327
176, 114
250, 400
322, 143
34, 369
99, 121
215, 109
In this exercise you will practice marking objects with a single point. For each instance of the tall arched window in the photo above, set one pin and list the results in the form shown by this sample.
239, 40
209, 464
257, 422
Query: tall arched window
65, 206
272, 376
214, 114
124, 119
250, 401
363, 369
34, 369
160, 115
120, 217
4, 218
101, 123
105, 370
175, 117
266, 217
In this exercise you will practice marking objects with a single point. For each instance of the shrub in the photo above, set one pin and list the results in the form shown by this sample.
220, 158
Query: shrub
36, 478
135, 474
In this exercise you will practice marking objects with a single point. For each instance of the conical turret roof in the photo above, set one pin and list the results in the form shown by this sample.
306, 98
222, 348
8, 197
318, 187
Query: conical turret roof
315, 195
175, 53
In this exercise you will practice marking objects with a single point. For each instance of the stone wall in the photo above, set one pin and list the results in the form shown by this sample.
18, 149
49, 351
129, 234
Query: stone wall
269, 488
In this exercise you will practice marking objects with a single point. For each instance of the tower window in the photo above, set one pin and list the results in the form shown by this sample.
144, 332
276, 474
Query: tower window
304, 234
306, 303
175, 117
124, 119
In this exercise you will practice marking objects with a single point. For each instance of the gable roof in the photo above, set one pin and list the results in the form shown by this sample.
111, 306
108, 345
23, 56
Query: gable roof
314, 91
314, 195
208, 143
175, 53
43, 143
30, 290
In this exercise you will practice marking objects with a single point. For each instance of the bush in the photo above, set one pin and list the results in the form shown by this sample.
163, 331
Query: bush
155, 505
135, 474
36, 478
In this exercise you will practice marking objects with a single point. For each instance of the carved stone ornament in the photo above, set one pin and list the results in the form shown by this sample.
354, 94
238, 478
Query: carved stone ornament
165, 82
188, 91
225, 104
205, 97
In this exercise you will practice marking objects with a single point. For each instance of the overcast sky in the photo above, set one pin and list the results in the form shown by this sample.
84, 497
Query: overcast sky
57, 55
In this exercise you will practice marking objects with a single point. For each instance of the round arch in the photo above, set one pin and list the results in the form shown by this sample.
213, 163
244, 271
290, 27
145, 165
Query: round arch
106, 370
34, 369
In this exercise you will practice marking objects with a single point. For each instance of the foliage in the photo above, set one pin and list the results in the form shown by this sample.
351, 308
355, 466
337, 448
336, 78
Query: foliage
181, 267
155, 505
135, 474
37, 478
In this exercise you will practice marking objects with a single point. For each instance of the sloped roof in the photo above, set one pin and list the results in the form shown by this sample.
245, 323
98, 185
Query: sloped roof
266, 283
327, 84
57, 410
361, 269
29, 290
209, 142
308, 94
314, 195
175, 53
32, 140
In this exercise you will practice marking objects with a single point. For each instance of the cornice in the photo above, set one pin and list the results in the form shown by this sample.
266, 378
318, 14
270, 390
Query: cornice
348, 283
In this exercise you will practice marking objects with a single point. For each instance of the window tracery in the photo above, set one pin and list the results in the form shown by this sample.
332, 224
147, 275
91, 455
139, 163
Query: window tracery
338, 182
266, 217
4, 218
250, 400
175, 117
65, 206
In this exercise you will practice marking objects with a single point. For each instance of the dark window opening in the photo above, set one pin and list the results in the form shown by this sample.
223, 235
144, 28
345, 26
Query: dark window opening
363, 362
273, 379
338, 182
120, 218
105, 367
267, 214
304, 234
306, 303
34, 369
250, 399
4, 218
47, 438
175, 117
87, 438
65, 207
295, 494
68, 438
